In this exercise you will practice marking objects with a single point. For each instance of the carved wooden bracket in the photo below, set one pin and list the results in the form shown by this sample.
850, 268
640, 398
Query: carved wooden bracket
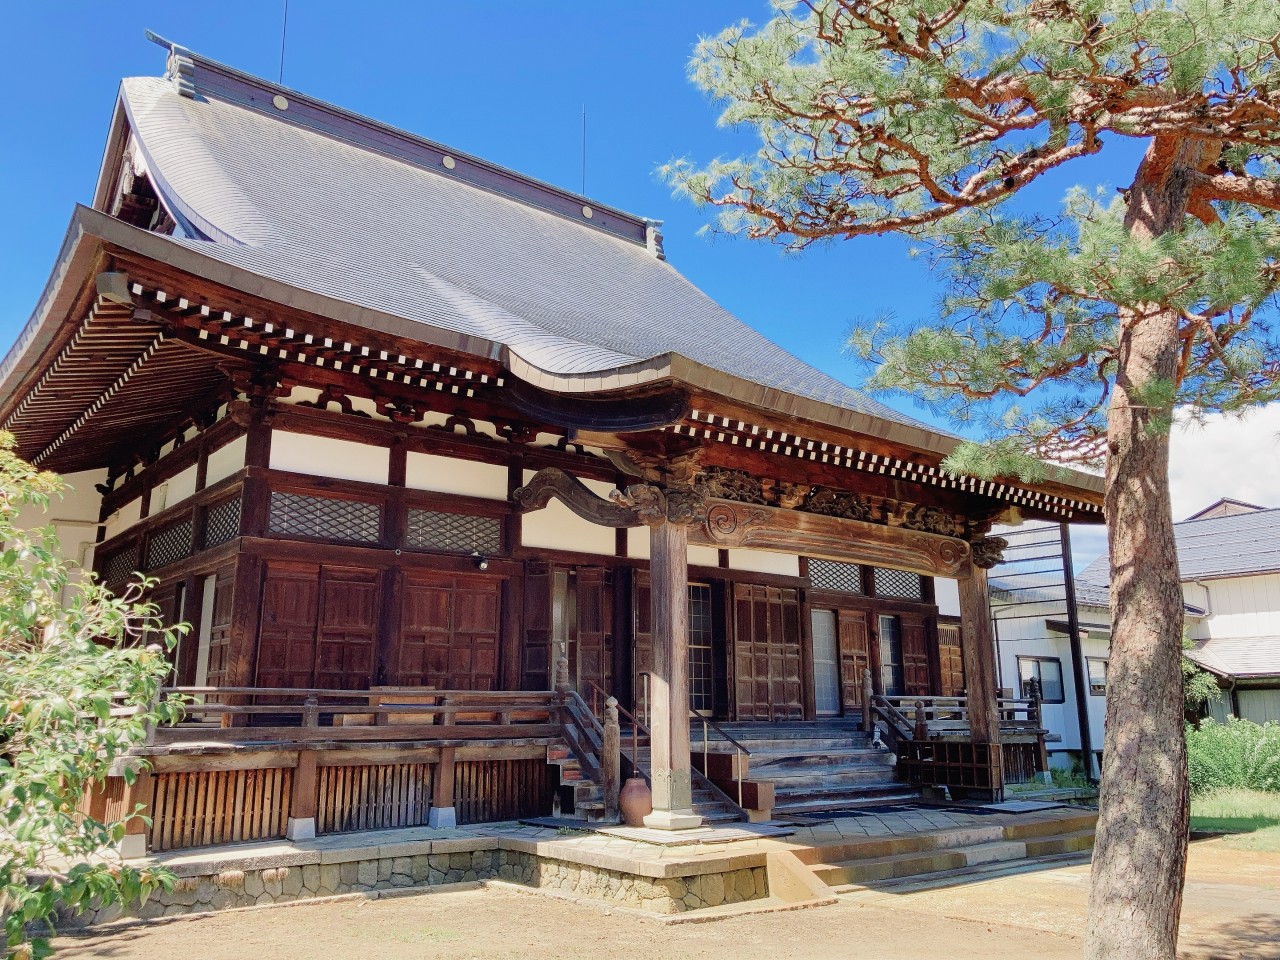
553, 483
988, 551
735, 525
654, 506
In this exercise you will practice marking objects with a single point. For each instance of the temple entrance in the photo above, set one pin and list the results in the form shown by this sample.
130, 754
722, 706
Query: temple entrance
826, 664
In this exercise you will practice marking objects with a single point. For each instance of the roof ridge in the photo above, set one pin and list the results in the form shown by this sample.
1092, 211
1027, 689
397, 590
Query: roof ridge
198, 76
1229, 516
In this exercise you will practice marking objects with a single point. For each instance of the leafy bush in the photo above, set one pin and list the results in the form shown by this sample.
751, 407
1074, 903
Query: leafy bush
80, 678
1236, 754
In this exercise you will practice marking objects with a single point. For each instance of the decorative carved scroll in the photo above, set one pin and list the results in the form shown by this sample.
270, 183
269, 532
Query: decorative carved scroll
736, 485
734, 525
554, 483
836, 503
932, 520
988, 551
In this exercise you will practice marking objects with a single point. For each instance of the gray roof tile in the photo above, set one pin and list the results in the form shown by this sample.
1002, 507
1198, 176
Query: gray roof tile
343, 220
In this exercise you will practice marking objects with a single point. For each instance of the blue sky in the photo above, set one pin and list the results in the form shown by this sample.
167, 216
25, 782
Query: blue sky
505, 80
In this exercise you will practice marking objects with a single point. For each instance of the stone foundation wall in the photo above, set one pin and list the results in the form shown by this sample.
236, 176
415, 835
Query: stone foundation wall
251, 884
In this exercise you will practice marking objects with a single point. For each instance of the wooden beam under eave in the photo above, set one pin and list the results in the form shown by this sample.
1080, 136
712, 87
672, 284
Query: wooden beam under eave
748, 526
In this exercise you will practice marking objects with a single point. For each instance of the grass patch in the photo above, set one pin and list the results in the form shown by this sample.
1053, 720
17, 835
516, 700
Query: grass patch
1252, 816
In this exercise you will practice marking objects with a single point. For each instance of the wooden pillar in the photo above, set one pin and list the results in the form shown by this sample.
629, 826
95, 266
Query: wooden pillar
443, 814
977, 644
611, 759
669, 690
302, 804
133, 845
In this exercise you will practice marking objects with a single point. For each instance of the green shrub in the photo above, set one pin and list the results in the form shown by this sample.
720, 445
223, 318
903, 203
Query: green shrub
1238, 754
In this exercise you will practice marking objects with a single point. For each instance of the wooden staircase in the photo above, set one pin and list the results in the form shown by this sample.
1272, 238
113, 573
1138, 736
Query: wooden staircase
579, 796
814, 767
709, 802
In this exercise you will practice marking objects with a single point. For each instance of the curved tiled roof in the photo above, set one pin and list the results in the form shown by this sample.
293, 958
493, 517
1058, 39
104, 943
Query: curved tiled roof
340, 218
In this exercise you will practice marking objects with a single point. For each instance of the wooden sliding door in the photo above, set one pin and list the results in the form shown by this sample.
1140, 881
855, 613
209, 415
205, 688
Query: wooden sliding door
767, 655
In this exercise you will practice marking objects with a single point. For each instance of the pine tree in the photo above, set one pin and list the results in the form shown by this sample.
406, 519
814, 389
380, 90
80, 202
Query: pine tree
1070, 335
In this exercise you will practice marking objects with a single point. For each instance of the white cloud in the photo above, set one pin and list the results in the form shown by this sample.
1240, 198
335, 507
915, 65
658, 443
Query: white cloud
1237, 457
1224, 456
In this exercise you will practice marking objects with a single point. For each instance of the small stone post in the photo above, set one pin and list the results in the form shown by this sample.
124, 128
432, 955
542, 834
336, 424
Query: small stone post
562, 678
868, 691
611, 759
922, 725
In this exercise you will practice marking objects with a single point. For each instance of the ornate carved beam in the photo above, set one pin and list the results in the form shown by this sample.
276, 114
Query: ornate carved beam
742, 525
552, 483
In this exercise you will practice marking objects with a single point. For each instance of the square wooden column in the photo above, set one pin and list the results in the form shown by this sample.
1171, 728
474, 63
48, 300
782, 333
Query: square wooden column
669, 683
977, 645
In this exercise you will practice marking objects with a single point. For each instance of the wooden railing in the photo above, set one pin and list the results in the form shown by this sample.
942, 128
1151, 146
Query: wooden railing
305, 716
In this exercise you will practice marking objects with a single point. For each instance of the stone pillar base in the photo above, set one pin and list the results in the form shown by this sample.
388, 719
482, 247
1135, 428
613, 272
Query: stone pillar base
673, 820
300, 828
133, 846
442, 818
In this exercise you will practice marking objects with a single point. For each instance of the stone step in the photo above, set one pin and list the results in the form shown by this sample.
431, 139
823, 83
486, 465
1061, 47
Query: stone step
831, 756
943, 878
786, 745
914, 864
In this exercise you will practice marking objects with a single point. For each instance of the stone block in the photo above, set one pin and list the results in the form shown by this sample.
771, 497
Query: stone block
746, 884
420, 868
292, 884
367, 873
402, 865
348, 872
384, 870
459, 861
253, 885
711, 889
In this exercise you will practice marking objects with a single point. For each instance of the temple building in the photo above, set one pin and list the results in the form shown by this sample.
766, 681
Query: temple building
436, 458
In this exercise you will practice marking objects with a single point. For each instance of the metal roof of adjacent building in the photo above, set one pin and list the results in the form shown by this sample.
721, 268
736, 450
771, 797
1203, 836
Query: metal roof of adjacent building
1236, 545
1238, 657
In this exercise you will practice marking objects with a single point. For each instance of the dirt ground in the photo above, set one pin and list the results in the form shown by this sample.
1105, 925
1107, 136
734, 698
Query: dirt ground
1232, 909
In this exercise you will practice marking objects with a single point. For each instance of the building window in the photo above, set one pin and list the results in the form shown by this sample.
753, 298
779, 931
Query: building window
833, 575
1047, 671
432, 530
898, 583
1097, 676
298, 515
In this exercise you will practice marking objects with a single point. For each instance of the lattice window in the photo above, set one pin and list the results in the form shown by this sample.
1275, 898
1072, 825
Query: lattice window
170, 544
298, 515
832, 575
898, 583
431, 530
119, 564
222, 522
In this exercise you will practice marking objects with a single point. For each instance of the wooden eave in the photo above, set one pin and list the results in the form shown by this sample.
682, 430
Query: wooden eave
97, 373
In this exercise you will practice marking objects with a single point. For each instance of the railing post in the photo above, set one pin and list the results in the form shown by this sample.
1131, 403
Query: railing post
611, 759
301, 824
443, 815
562, 677
868, 691
922, 725
311, 712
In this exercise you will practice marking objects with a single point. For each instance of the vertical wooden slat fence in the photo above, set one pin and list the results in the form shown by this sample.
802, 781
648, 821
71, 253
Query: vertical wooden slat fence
206, 807
373, 797
488, 790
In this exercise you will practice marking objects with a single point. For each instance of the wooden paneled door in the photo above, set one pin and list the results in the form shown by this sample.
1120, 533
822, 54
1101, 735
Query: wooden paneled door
855, 655
951, 660
915, 655
318, 627
766, 653
449, 631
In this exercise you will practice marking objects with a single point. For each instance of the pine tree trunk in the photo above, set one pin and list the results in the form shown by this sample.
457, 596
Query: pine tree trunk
1139, 860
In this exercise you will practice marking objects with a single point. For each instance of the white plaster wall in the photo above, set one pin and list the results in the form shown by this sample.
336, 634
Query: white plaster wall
426, 471
556, 527
174, 490
947, 595
639, 547
226, 460
123, 519
327, 457
765, 561
74, 516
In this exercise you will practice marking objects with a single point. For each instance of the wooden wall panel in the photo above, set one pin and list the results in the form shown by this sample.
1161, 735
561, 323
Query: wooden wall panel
373, 796
642, 633
287, 631
855, 655
767, 655
594, 640
951, 660
536, 653
915, 654
450, 629
207, 807
489, 790
220, 667
347, 630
